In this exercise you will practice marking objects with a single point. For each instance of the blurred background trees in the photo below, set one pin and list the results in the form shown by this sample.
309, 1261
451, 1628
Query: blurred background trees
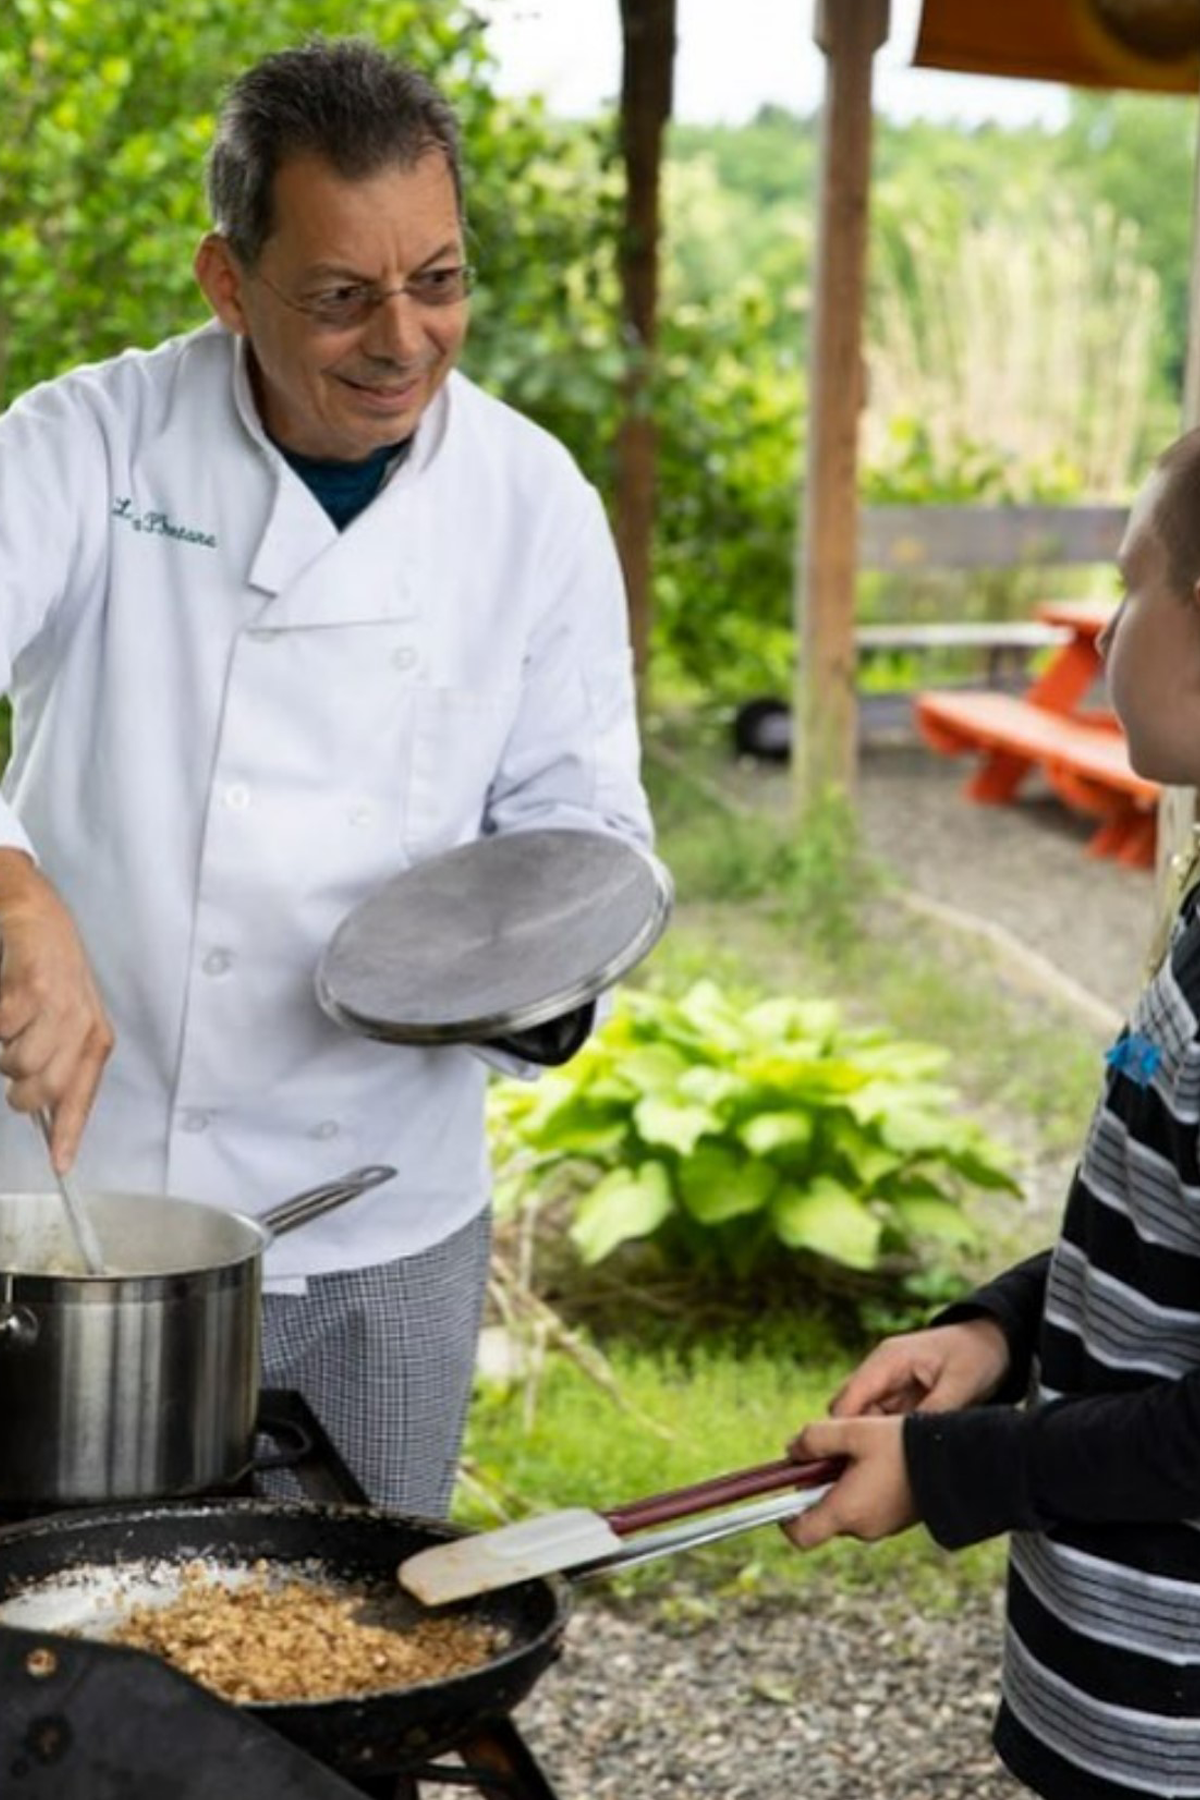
1028, 309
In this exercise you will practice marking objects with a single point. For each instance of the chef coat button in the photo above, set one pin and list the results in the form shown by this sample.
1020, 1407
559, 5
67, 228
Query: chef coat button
217, 962
404, 658
361, 815
237, 796
195, 1121
328, 1128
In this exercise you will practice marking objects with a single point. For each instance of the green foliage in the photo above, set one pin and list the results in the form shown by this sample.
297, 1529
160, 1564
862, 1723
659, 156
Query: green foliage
1136, 153
730, 403
911, 469
738, 206
544, 203
1062, 283
724, 1131
843, 933
970, 230
730, 410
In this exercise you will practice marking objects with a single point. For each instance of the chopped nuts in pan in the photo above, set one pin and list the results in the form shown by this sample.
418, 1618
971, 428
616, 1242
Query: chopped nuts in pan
273, 1639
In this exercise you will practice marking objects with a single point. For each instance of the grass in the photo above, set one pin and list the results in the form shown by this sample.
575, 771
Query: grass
812, 873
799, 909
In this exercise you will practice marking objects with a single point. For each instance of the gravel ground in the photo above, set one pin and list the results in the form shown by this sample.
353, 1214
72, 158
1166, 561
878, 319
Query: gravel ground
1022, 867
846, 1697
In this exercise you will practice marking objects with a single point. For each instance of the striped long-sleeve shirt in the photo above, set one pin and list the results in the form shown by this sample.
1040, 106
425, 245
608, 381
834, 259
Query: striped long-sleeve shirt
1098, 1475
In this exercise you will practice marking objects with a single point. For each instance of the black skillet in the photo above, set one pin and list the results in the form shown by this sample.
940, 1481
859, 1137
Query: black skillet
57, 1572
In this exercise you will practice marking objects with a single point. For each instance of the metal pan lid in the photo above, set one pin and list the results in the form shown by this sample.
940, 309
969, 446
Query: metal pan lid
497, 936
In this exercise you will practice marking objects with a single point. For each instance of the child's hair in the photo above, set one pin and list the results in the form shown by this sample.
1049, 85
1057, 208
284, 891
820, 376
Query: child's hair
1176, 515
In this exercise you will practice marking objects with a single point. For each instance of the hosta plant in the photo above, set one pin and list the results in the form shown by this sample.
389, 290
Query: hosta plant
723, 1131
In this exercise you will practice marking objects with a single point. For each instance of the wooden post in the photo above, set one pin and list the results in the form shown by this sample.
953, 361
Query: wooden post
1177, 807
648, 33
824, 737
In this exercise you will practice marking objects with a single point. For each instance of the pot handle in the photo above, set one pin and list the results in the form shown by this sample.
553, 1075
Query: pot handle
315, 1201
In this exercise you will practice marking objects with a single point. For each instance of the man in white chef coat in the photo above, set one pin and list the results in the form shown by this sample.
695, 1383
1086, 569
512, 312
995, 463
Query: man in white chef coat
286, 605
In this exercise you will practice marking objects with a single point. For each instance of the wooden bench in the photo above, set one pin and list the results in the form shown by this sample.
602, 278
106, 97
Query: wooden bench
1084, 760
1082, 754
1006, 645
911, 541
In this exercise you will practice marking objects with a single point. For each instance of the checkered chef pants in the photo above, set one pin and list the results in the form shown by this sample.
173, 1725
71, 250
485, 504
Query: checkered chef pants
385, 1356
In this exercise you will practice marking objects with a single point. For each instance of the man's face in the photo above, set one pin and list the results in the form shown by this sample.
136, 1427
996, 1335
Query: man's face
342, 391
1151, 653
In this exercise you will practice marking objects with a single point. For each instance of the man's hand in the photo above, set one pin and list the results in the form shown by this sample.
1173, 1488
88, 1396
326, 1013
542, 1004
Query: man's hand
937, 1370
54, 1032
872, 1498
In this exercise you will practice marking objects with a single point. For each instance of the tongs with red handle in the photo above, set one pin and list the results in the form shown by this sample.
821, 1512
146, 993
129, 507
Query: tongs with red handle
720, 1490
587, 1543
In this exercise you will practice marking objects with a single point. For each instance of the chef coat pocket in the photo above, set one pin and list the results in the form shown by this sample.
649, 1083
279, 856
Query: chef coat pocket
459, 736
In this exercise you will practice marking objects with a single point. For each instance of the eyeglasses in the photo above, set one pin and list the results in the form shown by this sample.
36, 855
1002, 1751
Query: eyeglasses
353, 302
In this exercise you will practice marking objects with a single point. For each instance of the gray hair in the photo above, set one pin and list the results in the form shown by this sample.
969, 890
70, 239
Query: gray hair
342, 99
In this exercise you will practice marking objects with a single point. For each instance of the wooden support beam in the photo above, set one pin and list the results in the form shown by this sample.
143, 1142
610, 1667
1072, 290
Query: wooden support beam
849, 32
648, 35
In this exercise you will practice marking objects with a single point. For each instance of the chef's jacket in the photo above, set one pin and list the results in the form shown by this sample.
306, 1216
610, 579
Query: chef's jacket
231, 722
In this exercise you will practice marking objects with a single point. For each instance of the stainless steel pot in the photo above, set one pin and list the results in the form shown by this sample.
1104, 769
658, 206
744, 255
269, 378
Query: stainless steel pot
141, 1382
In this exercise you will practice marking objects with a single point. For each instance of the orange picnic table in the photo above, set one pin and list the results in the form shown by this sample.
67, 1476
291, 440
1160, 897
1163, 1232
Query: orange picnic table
1078, 747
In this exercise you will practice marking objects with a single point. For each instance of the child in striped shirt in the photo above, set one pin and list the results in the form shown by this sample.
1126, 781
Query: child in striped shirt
1097, 1473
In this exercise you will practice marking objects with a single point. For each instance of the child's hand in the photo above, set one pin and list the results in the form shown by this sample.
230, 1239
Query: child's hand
927, 1371
872, 1499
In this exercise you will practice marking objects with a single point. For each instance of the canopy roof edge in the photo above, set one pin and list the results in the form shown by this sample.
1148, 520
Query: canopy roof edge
1147, 44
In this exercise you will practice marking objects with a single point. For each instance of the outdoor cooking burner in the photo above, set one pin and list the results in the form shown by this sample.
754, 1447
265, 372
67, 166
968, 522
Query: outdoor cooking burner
81, 1720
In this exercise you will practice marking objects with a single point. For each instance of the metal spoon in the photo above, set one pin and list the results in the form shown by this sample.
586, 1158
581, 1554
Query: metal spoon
84, 1232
